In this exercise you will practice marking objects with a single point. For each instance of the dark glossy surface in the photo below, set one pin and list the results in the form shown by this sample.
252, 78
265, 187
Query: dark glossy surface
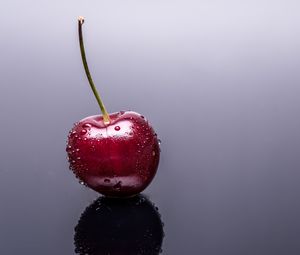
118, 159
119, 226
219, 81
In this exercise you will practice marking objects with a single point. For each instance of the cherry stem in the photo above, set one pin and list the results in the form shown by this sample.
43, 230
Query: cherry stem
106, 118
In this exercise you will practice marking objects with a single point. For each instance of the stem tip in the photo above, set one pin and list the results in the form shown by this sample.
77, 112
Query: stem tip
81, 20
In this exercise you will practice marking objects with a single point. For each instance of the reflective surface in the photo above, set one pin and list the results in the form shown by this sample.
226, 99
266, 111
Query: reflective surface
119, 226
219, 82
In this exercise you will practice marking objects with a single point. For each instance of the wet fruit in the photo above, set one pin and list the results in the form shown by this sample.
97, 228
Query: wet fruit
115, 154
115, 159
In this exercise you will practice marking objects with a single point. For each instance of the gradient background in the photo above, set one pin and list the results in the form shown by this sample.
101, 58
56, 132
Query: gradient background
219, 81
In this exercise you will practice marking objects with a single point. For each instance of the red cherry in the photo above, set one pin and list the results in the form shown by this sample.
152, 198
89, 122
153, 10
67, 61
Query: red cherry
118, 159
117, 154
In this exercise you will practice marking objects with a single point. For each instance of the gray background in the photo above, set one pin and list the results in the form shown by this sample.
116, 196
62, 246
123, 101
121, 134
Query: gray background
219, 81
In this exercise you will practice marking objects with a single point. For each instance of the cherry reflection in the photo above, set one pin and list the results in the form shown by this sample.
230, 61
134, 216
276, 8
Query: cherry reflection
119, 227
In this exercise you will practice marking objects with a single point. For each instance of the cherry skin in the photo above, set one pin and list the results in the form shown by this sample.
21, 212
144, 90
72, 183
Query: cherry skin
118, 159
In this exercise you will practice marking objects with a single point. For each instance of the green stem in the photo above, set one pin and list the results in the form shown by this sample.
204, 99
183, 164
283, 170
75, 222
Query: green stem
106, 118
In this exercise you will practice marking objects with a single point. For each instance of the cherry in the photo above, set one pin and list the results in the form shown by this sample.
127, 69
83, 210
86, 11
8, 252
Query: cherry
114, 154
115, 159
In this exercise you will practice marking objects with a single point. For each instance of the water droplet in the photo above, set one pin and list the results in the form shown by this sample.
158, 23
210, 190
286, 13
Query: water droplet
78, 158
73, 161
69, 147
118, 185
84, 139
117, 128
153, 153
82, 183
106, 180
83, 131
77, 150
86, 125
159, 141
72, 133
